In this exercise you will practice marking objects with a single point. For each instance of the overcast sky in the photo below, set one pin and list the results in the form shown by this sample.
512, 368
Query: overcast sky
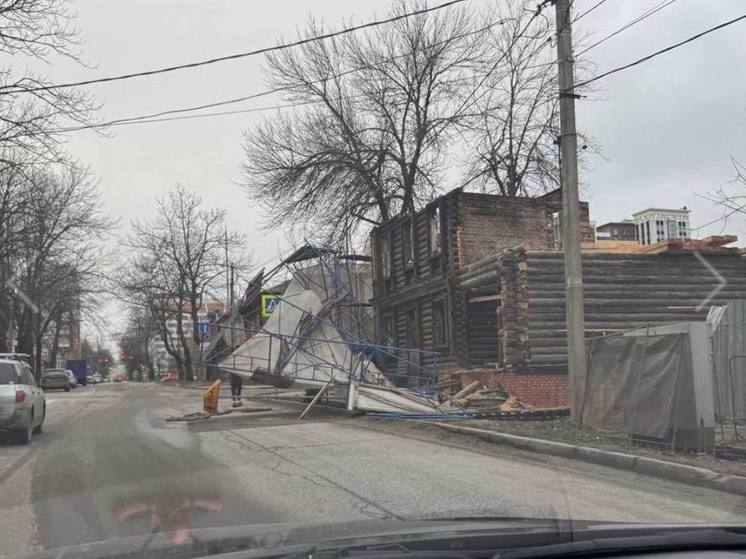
667, 128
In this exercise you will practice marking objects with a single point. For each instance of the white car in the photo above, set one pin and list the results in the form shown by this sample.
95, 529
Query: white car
72, 377
22, 403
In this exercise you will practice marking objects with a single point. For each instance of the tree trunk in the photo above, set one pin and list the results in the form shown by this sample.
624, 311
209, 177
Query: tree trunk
6, 314
55, 343
37, 358
25, 342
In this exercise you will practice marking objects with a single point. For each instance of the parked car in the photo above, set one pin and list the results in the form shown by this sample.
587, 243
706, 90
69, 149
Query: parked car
98, 378
22, 403
90, 379
72, 377
56, 378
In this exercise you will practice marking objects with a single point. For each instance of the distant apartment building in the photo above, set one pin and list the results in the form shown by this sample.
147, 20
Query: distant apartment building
208, 313
659, 224
625, 230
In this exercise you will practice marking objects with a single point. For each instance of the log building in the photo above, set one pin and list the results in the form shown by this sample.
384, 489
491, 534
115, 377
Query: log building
418, 260
480, 280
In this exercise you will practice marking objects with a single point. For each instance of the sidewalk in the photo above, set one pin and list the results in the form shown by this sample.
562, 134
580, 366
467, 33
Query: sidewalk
560, 438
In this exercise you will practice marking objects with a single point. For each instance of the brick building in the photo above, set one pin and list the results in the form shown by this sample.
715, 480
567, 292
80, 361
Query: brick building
419, 301
617, 231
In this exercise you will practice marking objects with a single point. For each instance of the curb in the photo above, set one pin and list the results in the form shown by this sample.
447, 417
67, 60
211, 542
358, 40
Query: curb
643, 465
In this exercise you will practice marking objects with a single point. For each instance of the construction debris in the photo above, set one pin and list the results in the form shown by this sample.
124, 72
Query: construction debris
712, 245
198, 415
476, 397
468, 389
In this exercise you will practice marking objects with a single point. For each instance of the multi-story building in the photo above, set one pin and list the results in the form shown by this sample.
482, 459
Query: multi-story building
208, 313
659, 224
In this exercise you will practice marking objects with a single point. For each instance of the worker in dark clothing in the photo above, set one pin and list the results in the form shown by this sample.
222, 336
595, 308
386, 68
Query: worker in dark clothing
236, 386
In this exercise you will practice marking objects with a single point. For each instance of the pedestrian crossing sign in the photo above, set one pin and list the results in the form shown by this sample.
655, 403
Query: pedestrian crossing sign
269, 303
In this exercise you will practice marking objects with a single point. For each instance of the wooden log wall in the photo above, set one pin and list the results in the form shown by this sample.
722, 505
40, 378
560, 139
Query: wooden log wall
503, 275
622, 291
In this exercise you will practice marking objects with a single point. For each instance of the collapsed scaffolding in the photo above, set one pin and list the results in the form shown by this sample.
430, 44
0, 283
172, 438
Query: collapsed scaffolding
320, 335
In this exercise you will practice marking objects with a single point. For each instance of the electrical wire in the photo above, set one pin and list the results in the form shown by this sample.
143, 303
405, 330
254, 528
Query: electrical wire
632, 23
662, 51
589, 10
155, 117
626, 26
235, 56
127, 122
535, 15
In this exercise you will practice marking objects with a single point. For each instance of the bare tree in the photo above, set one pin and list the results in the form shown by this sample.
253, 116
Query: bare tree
56, 263
377, 109
511, 138
134, 344
14, 200
32, 109
147, 287
732, 203
32, 112
182, 257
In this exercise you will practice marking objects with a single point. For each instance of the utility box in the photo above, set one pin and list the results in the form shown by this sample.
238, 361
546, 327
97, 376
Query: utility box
654, 383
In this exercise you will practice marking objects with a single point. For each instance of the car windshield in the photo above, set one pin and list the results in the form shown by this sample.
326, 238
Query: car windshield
285, 271
7, 373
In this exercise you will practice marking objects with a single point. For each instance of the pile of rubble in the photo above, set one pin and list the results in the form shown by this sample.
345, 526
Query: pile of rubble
477, 397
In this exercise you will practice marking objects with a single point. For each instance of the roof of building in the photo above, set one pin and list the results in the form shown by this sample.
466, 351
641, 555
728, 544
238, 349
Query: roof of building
663, 210
623, 222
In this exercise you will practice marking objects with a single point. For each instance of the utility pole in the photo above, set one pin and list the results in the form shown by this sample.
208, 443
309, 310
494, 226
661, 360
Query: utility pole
232, 297
227, 275
571, 234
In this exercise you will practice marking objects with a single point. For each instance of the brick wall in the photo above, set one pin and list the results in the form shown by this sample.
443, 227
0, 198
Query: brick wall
541, 391
490, 224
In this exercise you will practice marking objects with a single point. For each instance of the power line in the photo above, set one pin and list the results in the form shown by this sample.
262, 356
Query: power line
632, 23
155, 117
662, 51
256, 52
125, 122
635, 21
589, 10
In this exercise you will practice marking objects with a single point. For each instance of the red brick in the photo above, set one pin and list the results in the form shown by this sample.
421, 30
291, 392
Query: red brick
541, 391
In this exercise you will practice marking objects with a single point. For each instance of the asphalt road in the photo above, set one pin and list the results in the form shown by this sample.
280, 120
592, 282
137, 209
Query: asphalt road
109, 465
